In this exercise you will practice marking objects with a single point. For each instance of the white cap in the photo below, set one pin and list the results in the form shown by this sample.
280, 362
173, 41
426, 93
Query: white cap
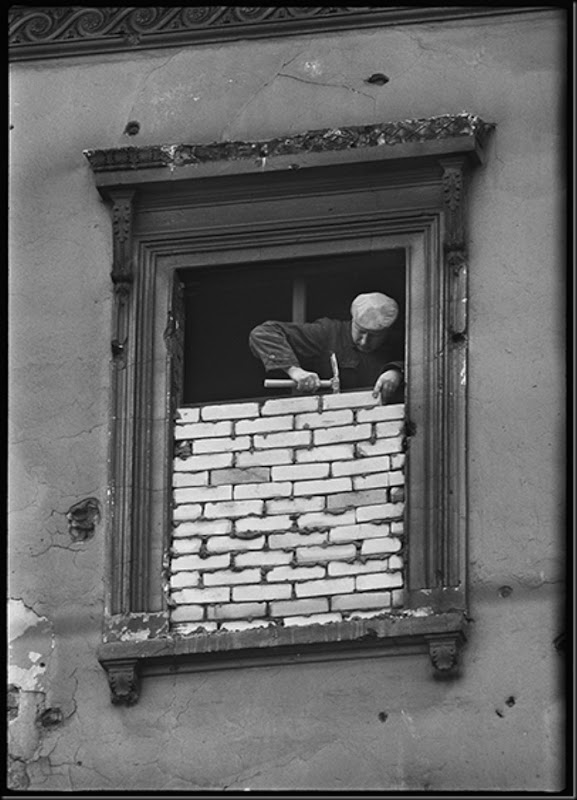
374, 311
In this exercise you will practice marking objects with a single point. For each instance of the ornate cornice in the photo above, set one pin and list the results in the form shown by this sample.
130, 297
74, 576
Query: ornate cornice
59, 31
356, 136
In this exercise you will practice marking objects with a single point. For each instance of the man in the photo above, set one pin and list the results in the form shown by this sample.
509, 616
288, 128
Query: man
366, 352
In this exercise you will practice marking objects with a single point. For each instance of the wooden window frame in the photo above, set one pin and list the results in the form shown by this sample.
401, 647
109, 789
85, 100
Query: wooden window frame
354, 190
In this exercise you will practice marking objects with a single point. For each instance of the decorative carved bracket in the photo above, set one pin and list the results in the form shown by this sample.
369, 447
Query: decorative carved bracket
124, 682
122, 213
444, 653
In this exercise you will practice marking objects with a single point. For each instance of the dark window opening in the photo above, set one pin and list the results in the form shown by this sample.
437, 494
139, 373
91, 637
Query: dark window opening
223, 304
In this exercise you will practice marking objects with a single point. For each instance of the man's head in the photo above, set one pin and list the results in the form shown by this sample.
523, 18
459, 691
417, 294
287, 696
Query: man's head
373, 314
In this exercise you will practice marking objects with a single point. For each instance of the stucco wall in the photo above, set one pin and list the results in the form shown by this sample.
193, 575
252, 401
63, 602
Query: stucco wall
346, 724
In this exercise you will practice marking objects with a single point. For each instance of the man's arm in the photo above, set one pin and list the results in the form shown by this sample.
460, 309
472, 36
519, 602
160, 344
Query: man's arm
281, 345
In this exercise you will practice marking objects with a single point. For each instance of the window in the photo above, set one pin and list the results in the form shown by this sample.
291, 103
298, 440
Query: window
394, 204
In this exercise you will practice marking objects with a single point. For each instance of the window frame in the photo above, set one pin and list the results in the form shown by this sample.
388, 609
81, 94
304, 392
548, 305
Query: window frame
419, 189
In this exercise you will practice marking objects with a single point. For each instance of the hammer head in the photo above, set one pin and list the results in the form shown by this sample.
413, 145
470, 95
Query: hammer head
335, 380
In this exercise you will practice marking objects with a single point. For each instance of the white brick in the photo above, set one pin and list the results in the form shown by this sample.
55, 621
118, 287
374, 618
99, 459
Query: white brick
187, 613
350, 533
198, 628
330, 452
234, 476
381, 448
395, 562
300, 472
397, 528
223, 445
261, 592
312, 555
284, 541
338, 568
359, 601
199, 463
219, 594
354, 499
189, 563
396, 478
378, 480
295, 573
187, 512
380, 546
202, 564
319, 605
279, 523
386, 429
243, 625
350, 400
361, 466
238, 508
381, 413
263, 559
227, 544
348, 433
180, 580
290, 405
398, 461
386, 511
313, 619
322, 520
184, 415
397, 598
298, 505
228, 577
201, 494
198, 430
265, 425
190, 479
228, 411
282, 439
326, 419
264, 458
325, 587
253, 490
244, 611
185, 546
327, 486
380, 581
203, 527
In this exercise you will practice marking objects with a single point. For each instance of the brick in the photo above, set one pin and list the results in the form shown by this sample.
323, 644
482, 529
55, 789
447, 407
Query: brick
230, 411
330, 452
290, 405
190, 479
318, 605
396, 478
184, 415
398, 461
228, 544
300, 472
338, 568
297, 505
282, 439
385, 430
203, 527
186, 628
199, 463
261, 592
397, 494
397, 528
380, 600
181, 580
379, 581
201, 494
350, 400
347, 433
361, 466
355, 499
234, 508
243, 611
386, 511
262, 559
380, 546
381, 413
284, 541
395, 562
264, 458
234, 476
187, 512
295, 574
382, 447
280, 523
268, 490
187, 613
397, 598
351, 533
325, 587
325, 419
202, 564
223, 445
197, 430
378, 480
244, 625
185, 546
326, 486
219, 594
312, 555
323, 520
376, 612
228, 577
264, 425
313, 619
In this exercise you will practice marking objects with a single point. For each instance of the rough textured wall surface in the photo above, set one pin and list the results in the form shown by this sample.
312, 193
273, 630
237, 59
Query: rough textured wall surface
346, 724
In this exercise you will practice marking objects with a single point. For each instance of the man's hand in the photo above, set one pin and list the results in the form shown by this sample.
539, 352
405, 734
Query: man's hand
305, 381
387, 384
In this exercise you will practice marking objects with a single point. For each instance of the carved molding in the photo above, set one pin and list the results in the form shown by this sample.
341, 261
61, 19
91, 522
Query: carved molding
122, 214
124, 682
444, 653
54, 32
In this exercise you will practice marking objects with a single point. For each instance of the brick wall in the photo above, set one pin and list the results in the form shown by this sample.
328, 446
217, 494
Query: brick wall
286, 511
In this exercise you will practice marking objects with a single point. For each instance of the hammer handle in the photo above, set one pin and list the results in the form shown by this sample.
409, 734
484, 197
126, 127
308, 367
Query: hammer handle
283, 383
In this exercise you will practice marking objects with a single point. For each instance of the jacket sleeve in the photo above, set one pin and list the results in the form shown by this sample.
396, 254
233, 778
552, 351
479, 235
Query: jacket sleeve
281, 345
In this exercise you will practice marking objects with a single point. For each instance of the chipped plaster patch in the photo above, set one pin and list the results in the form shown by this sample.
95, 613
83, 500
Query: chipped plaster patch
31, 642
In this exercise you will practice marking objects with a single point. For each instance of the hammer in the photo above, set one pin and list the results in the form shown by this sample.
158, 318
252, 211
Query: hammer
334, 383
